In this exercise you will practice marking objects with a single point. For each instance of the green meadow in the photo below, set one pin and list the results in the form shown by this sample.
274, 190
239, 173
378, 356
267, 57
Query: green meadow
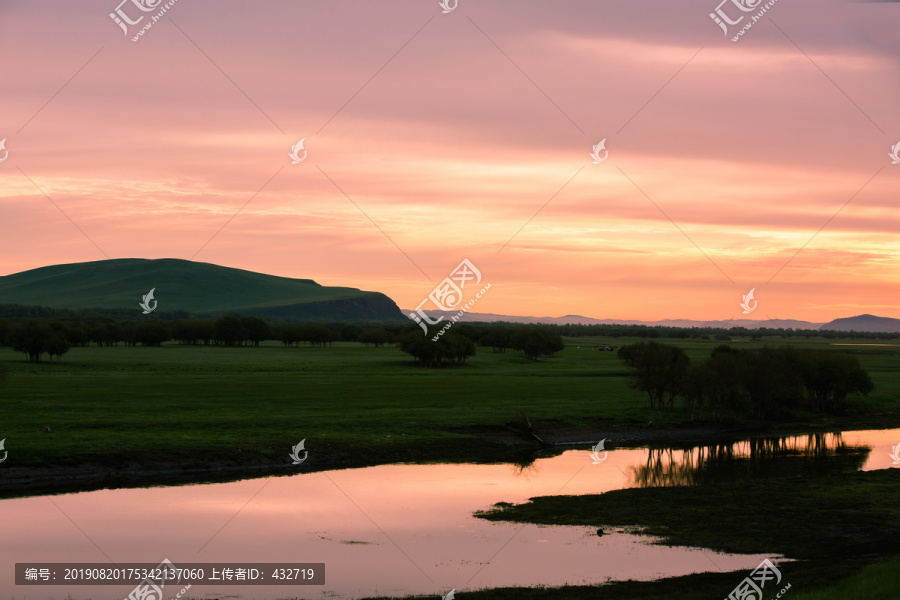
248, 405
182, 401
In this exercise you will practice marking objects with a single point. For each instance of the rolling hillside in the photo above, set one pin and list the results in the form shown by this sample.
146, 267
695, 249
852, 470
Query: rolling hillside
864, 323
194, 287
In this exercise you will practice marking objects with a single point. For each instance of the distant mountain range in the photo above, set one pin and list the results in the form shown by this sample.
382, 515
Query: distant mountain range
205, 289
860, 323
194, 287
865, 323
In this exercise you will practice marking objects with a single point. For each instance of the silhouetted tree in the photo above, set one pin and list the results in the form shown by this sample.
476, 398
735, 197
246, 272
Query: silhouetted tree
317, 335
184, 332
150, 333
32, 338
830, 378
498, 338
77, 337
351, 333
255, 330
535, 342
104, 332
377, 337
767, 382
290, 335
450, 348
57, 346
229, 331
656, 369
203, 329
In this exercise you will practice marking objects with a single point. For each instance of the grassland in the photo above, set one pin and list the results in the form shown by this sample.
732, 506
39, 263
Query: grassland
133, 409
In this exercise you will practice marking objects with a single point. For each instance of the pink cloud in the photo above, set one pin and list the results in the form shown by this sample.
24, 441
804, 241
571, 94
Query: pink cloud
451, 149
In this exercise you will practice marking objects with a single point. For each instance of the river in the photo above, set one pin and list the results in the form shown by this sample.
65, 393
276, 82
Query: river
404, 529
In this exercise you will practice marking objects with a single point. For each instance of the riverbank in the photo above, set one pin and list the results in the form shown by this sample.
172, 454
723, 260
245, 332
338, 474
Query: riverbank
834, 525
852, 579
135, 416
853, 514
514, 443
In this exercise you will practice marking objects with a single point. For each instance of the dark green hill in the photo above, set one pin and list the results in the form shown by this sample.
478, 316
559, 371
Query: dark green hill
194, 287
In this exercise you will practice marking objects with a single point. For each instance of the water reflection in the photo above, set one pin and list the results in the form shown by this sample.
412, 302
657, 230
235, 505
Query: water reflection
815, 454
407, 529
390, 530
525, 470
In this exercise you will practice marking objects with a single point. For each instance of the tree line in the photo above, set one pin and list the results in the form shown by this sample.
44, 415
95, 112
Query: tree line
460, 342
38, 337
16, 311
54, 337
763, 383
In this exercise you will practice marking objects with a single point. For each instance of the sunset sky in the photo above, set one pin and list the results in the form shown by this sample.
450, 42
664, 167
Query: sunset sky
436, 137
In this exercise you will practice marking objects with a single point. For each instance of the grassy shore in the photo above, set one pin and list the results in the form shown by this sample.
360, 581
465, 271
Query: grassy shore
809, 576
197, 413
850, 579
844, 529
881, 580
834, 516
